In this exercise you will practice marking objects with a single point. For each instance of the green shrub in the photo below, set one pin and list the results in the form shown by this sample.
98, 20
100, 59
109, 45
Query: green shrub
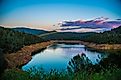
85, 72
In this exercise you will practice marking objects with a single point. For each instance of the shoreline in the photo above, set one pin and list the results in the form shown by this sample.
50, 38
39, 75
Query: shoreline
92, 45
24, 55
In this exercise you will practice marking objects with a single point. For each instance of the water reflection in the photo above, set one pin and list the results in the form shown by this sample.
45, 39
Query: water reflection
57, 56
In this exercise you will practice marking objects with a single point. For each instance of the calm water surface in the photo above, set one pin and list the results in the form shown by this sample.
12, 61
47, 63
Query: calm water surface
57, 56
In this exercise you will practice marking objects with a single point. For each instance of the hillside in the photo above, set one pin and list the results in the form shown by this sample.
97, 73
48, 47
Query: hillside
115, 30
11, 40
66, 35
30, 31
110, 37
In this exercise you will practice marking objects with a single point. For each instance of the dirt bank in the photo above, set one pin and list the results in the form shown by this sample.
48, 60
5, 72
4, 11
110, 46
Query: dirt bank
24, 55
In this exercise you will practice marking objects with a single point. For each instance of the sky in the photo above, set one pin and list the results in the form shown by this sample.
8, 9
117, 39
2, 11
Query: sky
43, 14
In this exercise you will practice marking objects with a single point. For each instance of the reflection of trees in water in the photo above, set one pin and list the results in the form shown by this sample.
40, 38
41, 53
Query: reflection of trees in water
54, 46
95, 50
103, 54
82, 63
38, 51
109, 57
62, 45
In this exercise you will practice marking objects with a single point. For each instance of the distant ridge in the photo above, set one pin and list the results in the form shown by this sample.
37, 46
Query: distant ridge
30, 31
117, 30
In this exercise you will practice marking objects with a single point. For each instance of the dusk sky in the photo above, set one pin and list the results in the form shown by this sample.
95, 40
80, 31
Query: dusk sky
46, 13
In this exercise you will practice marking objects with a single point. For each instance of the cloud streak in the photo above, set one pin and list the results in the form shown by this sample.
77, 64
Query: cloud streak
98, 23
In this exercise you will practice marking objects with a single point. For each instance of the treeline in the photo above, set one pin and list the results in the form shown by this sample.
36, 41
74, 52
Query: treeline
11, 40
67, 36
110, 37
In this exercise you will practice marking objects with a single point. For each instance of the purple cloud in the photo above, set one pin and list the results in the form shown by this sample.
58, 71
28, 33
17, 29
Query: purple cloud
102, 23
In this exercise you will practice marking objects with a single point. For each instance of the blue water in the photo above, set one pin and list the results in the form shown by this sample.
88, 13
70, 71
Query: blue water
57, 56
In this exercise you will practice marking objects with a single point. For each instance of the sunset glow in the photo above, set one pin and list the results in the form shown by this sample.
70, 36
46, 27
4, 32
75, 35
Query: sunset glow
43, 14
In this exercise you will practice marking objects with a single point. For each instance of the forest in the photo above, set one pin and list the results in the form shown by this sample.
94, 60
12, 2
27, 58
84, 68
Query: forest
11, 41
107, 37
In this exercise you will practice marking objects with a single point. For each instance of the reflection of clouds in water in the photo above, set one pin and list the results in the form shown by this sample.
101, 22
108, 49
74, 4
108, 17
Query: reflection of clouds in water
51, 54
70, 45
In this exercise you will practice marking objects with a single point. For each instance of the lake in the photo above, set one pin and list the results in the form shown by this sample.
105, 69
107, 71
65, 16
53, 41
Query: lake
57, 56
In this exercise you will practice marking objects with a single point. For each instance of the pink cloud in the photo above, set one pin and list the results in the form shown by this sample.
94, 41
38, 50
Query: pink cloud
91, 24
